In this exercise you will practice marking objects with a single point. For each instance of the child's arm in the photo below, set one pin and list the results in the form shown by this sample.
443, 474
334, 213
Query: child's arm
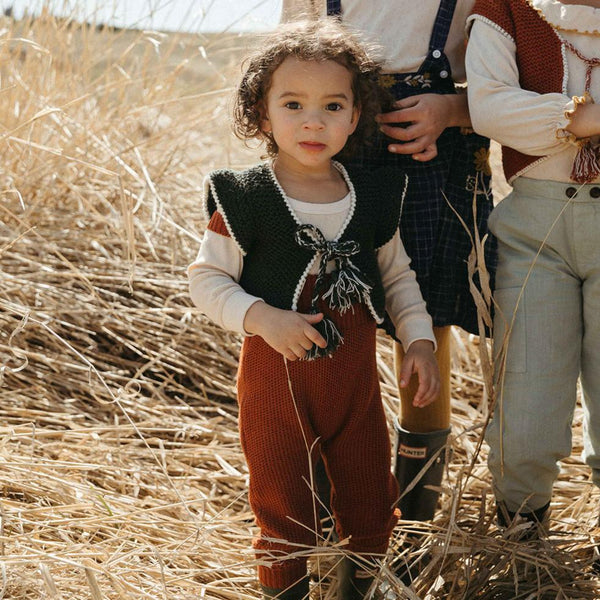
406, 307
214, 289
500, 108
428, 115
420, 359
288, 332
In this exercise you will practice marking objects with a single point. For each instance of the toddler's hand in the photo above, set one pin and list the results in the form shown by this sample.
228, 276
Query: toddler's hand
286, 331
420, 359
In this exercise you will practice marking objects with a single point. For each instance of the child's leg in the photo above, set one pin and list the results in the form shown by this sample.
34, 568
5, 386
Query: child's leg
277, 440
423, 432
589, 225
436, 416
355, 440
364, 489
536, 388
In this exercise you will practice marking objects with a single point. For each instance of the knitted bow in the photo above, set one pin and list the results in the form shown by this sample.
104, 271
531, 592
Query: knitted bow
348, 283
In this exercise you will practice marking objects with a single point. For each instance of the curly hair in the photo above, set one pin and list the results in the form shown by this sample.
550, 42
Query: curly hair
321, 40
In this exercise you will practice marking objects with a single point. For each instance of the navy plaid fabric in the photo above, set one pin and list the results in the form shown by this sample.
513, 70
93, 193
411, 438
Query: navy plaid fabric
456, 182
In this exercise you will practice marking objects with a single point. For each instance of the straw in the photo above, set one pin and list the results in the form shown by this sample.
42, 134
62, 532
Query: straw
121, 471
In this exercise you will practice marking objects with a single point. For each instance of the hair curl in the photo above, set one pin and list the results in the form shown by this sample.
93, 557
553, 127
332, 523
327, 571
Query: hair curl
321, 40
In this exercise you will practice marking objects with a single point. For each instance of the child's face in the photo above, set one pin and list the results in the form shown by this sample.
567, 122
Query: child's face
310, 112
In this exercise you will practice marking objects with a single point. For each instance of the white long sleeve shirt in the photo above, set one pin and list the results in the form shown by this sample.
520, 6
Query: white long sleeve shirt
401, 28
526, 121
215, 274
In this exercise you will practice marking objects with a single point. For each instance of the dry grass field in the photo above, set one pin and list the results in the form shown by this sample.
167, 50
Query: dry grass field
121, 474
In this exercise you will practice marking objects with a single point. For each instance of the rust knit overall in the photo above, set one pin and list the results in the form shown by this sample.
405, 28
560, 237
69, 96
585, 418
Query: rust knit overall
335, 409
330, 407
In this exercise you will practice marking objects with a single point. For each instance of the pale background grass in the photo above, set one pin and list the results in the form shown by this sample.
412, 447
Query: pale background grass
121, 474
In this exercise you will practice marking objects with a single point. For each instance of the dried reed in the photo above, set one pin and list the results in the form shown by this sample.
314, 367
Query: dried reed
121, 474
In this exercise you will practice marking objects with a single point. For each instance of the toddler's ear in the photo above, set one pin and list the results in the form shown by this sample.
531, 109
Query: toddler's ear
265, 124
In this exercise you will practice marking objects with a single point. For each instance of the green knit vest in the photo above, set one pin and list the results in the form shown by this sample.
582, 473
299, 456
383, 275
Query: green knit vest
262, 224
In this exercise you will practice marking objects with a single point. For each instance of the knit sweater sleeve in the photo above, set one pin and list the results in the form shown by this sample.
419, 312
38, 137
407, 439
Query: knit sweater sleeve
499, 107
213, 279
403, 300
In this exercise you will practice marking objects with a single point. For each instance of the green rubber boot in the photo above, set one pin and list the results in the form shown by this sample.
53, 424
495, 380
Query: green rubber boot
414, 451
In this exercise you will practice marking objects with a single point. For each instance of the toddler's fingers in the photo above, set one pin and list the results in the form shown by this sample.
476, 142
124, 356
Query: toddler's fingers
406, 371
314, 337
429, 394
312, 318
298, 351
289, 354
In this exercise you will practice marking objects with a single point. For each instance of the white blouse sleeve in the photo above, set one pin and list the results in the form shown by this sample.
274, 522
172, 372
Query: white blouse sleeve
403, 300
499, 107
213, 281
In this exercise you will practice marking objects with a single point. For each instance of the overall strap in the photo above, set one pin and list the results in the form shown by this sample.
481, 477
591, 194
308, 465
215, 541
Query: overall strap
441, 27
334, 7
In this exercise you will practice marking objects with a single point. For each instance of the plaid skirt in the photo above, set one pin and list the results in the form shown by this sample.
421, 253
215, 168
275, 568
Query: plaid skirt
447, 200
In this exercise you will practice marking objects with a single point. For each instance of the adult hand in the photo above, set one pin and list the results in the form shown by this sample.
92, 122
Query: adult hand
426, 116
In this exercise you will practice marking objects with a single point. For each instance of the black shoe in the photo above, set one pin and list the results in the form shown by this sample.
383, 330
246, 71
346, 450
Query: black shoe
523, 526
355, 582
298, 591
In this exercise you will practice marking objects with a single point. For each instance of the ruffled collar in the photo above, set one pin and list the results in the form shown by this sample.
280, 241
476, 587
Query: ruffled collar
568, 17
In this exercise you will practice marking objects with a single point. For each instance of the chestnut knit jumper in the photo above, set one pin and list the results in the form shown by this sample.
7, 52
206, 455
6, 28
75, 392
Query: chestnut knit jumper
292, 413
538, 46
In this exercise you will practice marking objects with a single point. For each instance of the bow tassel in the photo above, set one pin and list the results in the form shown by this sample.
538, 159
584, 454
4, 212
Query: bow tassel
586, 166
332, 336
348, 287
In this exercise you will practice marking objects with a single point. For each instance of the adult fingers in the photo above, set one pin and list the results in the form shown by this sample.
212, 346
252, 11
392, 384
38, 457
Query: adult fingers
397, 115
402, 134
414, 147
427, 154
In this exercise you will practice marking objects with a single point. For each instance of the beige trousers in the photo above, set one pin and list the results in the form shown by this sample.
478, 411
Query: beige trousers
546, 335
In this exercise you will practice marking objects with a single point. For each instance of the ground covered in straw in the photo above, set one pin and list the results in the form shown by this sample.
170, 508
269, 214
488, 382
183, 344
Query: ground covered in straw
121, 474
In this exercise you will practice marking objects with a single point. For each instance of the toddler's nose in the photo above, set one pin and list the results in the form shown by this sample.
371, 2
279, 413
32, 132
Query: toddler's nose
314, 120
